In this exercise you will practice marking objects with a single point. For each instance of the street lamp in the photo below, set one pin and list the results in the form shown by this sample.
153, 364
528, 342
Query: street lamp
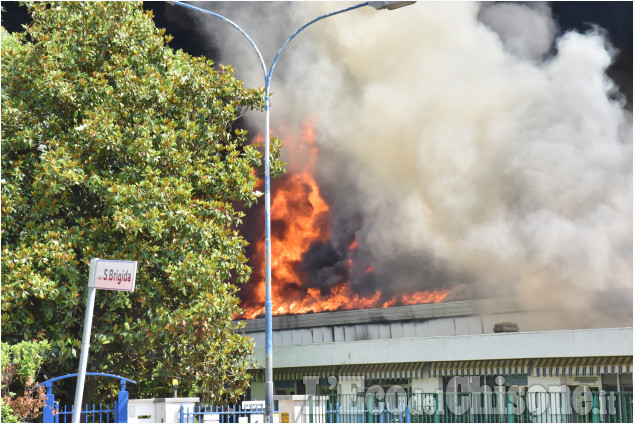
175, 385
389, 5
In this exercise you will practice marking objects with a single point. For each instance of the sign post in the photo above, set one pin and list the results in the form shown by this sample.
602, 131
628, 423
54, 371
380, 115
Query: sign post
109, 275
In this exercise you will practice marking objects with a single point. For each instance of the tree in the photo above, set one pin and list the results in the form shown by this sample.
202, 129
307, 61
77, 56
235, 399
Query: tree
116, 146
20, 366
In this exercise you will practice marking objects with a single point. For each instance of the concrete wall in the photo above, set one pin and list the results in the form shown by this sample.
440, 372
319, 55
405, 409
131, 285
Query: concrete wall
158, 410
141, 411
292, 408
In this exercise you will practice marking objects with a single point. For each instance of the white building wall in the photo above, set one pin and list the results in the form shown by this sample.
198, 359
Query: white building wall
542, 344
351, 385
427, 385
544, 381
257, 390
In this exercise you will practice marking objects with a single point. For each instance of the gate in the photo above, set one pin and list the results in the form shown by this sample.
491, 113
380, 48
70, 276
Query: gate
118, 413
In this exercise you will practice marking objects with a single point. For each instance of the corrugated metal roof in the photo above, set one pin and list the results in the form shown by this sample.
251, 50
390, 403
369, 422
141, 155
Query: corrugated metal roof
390, 314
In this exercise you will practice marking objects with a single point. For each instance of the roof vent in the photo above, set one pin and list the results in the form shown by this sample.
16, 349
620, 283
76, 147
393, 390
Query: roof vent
505, 327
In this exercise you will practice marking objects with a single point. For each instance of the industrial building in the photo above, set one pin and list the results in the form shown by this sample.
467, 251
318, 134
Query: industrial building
421, 348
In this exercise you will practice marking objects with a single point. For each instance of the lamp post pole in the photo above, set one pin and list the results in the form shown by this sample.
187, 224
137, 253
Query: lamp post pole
267, 76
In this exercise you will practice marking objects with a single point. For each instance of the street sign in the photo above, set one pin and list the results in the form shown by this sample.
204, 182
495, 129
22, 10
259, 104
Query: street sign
104, 274
114, 275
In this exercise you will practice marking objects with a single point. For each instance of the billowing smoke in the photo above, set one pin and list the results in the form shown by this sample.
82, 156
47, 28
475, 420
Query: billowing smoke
460, 145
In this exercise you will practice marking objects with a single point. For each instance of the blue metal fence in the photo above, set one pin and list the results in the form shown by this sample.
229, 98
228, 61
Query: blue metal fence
52, 413
96, 414
221, 414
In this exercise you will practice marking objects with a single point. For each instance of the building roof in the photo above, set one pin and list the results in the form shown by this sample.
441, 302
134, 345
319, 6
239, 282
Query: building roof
605, 312
389, 314
459, 331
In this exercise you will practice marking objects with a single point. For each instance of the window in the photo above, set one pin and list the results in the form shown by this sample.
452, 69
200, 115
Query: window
285, 387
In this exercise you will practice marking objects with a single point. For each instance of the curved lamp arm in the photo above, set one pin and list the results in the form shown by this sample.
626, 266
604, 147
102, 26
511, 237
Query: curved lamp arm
267, 75
233, 24
292, 36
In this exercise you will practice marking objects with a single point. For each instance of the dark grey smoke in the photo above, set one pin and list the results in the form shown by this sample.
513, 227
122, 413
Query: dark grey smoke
323, 267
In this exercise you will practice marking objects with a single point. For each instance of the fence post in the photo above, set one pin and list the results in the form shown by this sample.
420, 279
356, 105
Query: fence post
595, 411
310, 409
49, 405
437, 407
510, 410
121, 410
181, 414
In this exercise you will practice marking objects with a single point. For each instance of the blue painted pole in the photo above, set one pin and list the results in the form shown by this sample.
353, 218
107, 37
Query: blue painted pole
122, 404
268, 304
49, 406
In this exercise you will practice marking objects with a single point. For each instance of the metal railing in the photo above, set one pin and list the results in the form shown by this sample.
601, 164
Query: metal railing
96, 414
51, 412
474, 407
222, 414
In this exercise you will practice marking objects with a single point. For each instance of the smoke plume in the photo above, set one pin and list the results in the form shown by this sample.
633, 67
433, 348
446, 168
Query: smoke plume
460, 145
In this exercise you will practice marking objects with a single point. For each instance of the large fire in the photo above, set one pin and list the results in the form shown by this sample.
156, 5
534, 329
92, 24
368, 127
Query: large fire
300, 217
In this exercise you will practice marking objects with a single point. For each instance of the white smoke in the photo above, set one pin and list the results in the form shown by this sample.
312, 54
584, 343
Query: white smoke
526, 30
467, 138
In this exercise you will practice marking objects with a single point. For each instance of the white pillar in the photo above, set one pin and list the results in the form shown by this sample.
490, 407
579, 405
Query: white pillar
292, 408
167, 409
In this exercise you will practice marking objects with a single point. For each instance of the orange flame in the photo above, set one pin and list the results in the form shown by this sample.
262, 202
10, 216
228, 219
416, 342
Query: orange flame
299, 217
341, 298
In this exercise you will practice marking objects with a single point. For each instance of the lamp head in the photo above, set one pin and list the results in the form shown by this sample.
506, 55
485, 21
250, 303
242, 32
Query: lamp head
390, 5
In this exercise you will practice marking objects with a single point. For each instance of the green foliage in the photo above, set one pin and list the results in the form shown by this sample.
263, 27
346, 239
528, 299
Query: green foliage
276, 167
20, 365
115, 146
7, 413
22, 361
